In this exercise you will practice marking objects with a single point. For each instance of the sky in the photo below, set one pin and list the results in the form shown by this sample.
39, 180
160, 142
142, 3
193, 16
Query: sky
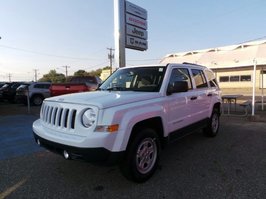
44, 35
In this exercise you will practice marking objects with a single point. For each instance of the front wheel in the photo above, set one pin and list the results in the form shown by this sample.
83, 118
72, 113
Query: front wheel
213, 125
142, 156
37, 100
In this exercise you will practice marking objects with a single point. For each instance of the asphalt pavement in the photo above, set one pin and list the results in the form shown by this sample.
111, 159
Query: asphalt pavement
16, 137
231, 165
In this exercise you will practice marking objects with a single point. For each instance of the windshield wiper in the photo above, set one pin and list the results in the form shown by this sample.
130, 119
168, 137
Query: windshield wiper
116, 88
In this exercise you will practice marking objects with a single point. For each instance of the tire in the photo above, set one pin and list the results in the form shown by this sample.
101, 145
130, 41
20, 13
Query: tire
37, 100
212, 128
142, 156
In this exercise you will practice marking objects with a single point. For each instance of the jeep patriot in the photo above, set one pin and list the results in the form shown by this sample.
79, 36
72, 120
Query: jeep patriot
131, 117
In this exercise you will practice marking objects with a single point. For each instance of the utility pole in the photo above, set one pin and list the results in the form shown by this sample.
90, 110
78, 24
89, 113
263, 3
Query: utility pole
111, 57
35, 74
119, 32
9, 77
66, 67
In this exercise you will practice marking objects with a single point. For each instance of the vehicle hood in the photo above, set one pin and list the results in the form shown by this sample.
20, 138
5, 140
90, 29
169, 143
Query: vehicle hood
104, 99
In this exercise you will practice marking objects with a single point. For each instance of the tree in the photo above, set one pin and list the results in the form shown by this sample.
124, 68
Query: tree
95, 72
98, 71
106, 68
53, 77
81, 73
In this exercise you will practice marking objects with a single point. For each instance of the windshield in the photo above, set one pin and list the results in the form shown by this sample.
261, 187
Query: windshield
23, 86
5, 86
146, 79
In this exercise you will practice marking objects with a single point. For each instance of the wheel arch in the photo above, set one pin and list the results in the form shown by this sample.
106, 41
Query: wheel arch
36, 94
154, 123
217, 106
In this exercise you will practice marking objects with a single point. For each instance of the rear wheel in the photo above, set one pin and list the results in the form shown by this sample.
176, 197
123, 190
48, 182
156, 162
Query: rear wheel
213, 124
142, 156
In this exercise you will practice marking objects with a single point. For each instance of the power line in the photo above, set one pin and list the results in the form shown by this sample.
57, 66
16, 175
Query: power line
46, 54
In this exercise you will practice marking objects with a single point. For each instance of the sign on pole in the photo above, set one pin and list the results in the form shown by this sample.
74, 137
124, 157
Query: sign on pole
136, 43
136, 27
136, 21
130, 29
136, 10
136, 32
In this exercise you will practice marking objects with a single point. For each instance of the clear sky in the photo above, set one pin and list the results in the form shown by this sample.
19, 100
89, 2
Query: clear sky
49, 34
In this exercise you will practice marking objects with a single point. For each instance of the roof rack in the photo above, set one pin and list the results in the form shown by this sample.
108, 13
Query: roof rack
190, 63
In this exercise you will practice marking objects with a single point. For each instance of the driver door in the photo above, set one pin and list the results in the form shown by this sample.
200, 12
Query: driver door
179, 111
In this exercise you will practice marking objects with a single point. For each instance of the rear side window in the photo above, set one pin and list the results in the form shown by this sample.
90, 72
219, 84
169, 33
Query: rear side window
211, 78
199, 78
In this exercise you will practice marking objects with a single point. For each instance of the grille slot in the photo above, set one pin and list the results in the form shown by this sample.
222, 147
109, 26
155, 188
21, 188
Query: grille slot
66, 117
59, 117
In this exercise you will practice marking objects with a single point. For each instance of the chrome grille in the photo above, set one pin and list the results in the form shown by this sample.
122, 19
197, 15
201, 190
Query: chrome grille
58, 117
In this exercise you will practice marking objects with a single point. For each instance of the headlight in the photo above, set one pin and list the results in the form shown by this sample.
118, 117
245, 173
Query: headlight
88, 118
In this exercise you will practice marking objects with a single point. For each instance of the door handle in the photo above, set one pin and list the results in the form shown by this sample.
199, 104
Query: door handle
209, 94
194, 98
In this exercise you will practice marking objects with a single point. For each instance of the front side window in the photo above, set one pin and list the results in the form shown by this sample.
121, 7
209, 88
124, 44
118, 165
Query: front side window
42, 86
38, 86
181, 74
199, 78
145, 79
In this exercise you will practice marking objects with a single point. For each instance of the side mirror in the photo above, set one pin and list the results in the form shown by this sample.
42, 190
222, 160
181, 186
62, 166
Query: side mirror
98, 86
177, 87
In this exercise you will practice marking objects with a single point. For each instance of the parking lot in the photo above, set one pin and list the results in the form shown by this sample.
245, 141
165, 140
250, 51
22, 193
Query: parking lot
231, 165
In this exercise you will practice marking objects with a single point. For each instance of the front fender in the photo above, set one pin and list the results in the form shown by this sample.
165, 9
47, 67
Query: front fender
130, 119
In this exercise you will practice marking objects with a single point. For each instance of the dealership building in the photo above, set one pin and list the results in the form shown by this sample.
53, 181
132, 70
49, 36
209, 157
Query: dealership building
236, 66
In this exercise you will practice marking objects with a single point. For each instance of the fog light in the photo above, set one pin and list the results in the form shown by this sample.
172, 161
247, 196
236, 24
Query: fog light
66, 155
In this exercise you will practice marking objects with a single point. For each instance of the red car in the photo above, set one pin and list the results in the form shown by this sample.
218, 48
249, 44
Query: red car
76, 85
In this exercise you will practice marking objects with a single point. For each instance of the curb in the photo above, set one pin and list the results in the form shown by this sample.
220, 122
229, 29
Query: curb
256, 118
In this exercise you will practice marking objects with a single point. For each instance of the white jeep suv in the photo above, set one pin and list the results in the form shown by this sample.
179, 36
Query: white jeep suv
132, 115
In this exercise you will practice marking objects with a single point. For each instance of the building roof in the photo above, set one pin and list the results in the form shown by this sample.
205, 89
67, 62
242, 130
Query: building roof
239, 55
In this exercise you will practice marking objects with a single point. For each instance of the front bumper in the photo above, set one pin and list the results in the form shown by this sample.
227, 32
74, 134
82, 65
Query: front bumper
97, 155
78, 143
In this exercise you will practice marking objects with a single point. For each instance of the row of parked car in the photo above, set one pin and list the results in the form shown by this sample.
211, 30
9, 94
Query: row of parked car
18, 92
